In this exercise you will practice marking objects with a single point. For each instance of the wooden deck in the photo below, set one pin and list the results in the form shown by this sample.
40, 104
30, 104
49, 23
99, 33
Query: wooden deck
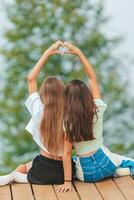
110, 189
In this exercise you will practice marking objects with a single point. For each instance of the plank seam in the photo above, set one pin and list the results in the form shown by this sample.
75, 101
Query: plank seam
98, 190
55, 192
77, 191
32, 191
11, 193
119, 189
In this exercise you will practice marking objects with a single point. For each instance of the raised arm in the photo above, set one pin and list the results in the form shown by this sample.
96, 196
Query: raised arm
87, 67
32, 76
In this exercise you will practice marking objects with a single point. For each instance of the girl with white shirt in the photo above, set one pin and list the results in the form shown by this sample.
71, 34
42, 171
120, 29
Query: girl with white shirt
83, 122
46, 108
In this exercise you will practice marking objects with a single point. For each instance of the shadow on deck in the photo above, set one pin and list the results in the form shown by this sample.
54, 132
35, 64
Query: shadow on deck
110, 189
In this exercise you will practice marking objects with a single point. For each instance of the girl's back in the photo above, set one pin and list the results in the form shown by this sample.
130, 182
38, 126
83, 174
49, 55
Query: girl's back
47, 109
86, 147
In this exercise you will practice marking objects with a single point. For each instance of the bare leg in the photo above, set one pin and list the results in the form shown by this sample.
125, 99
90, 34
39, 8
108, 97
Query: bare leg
28, 166
18, 175
21, 168
24, 168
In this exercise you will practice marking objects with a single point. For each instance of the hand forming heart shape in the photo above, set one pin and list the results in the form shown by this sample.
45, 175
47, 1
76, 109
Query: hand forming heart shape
62, 49
65, 48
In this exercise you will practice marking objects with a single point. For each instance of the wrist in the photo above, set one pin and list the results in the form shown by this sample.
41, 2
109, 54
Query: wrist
68, 180
47, 53
79, 53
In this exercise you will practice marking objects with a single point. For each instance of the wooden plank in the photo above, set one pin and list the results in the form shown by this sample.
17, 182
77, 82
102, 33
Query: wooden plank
126, 185
87, 191
5, 193
67, 195
21, 191
109, 190
42, 192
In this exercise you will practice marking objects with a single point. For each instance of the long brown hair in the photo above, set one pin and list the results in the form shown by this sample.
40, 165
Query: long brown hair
80, 111
52, 93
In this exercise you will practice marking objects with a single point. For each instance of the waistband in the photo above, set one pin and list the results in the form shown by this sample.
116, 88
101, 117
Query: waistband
95, 155
48, 155
44, 158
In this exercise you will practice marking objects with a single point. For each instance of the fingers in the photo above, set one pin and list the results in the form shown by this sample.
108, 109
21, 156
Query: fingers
63, 44
70, 48
67, 44
60, 189
63, 189
59, 43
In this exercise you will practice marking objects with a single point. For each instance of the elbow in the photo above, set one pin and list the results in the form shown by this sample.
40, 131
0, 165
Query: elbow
30, 77
93, 78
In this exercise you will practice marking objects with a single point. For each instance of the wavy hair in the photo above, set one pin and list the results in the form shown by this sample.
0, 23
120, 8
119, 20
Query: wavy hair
79, 112
52, 93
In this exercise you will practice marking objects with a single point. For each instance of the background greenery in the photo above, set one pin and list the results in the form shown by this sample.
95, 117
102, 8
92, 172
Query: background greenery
35, 25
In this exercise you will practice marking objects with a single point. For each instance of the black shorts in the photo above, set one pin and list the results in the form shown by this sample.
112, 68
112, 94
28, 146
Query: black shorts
47, 171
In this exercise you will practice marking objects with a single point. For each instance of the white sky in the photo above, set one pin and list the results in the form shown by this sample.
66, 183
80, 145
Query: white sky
122, 21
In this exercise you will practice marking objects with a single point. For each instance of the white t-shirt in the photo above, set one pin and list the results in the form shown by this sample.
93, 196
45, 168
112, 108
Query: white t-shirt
85, 147
36, 109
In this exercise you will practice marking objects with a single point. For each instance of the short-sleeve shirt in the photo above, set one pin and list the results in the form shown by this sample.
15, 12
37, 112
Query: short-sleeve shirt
85, 147
36, 110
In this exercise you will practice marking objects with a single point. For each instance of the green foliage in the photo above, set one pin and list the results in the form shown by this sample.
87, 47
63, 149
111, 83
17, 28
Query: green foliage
35, 25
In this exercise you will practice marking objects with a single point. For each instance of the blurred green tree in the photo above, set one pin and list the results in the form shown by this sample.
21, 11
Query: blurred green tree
34, 26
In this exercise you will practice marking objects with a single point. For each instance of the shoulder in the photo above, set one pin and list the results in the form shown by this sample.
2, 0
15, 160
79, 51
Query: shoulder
101, 105
100, 102
32, 96
33, 103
